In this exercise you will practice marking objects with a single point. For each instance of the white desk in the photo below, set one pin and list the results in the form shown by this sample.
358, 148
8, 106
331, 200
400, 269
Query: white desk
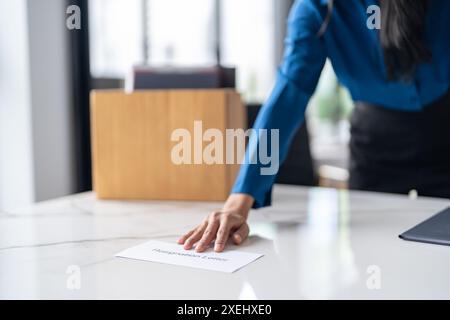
318, 243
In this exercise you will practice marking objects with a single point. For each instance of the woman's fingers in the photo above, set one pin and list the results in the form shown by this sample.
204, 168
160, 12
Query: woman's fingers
209, 234
195, 236
217, 227
183, 239
241, 234
222, 234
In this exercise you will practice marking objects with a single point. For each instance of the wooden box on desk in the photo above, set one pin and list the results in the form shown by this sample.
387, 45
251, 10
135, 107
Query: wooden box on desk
132, 143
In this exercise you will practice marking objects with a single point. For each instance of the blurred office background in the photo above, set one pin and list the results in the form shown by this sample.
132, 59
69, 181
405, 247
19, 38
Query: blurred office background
47, 72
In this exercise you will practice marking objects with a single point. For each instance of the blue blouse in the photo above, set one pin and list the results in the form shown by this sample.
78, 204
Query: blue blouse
357, 58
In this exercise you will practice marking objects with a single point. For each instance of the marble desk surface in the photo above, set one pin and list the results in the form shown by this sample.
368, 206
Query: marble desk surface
318, 244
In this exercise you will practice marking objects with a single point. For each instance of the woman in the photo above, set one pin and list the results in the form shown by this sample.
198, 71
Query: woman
399, 78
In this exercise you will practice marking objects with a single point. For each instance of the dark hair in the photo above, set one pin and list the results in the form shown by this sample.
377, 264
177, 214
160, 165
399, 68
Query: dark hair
401, 35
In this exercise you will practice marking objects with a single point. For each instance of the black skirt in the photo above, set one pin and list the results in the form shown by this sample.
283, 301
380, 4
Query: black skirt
399, 151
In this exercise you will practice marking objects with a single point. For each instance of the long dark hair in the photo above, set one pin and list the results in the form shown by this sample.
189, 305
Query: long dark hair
401, 35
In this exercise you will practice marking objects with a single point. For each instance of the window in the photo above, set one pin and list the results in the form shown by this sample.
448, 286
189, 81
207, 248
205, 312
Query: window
124, 33
180, 32
327, 116
248, 42
115, 32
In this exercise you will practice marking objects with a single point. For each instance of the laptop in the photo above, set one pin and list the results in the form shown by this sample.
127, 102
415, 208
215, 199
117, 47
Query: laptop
435, 230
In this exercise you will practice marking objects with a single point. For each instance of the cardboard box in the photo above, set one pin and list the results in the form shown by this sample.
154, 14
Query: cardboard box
137, 138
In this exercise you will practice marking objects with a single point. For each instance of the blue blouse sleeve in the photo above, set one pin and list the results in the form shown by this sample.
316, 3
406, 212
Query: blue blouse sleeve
297, 78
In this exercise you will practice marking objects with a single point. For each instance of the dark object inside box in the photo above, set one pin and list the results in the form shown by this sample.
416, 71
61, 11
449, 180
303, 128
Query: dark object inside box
181, 78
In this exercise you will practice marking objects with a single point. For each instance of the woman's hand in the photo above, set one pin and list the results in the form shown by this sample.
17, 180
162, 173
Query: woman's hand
231, 221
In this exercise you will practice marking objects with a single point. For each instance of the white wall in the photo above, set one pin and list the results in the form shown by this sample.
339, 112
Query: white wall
35, 111
16, 166
50, 96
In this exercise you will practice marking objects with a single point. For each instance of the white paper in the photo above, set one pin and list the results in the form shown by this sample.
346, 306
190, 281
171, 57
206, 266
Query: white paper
172, 253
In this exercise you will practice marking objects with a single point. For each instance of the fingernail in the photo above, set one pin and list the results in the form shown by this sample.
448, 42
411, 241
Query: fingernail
218, 247
238, 238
